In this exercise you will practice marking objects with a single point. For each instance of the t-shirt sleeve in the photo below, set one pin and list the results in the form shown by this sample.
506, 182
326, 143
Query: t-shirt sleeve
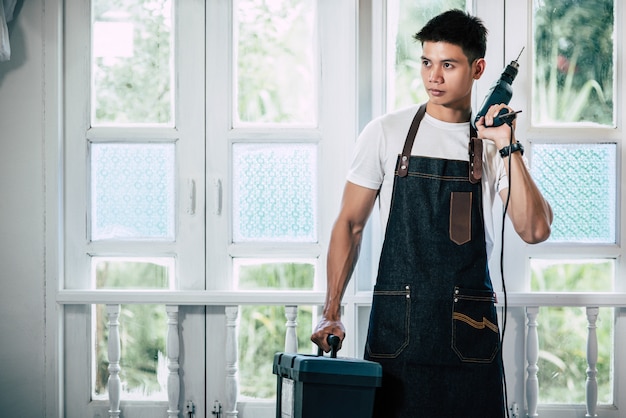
367, 169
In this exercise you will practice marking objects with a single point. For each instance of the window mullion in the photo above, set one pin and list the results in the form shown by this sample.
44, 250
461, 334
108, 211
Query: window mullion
218, 123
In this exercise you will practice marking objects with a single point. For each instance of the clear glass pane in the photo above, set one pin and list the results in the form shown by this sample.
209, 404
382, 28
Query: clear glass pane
579, 182
573, 62
132, 68
275, 192
276, 70
549, 275
563, 331
252, 274
132, 191
132, 273
143, 361
404, 19
262, 334
562, 334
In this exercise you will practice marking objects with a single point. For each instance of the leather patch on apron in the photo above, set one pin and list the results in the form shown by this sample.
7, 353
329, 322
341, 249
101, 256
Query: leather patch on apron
460, 217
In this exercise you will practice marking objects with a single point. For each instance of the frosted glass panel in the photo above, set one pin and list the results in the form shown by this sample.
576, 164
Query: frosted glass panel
573, 62
132, 191
276, 69
579, 182
132, 68
275, 192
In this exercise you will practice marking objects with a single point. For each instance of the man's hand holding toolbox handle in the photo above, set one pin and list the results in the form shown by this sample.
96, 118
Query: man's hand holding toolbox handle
333, 342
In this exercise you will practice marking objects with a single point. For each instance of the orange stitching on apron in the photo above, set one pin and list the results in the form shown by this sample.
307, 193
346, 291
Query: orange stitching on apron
475, 324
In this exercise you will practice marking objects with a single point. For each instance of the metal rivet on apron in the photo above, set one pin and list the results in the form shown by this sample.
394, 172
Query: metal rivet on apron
456, 300
404, 158
403, 167
408, 295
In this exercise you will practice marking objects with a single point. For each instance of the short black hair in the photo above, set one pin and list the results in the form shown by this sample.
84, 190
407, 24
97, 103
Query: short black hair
458, 28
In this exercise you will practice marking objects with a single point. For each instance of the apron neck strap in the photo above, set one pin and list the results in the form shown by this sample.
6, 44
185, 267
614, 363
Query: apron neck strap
475, 149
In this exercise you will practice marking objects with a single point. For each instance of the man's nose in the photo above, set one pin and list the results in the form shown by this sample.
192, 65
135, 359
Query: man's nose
435, 75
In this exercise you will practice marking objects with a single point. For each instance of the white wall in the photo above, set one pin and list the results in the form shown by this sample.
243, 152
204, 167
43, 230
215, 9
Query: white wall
22, 212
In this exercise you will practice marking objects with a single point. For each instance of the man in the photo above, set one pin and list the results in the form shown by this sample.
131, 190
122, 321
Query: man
433, 324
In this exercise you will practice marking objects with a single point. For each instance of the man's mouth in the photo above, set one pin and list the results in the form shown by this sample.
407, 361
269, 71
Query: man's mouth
436, 92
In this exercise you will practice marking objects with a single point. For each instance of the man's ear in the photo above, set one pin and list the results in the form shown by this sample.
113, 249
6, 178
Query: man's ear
478, 68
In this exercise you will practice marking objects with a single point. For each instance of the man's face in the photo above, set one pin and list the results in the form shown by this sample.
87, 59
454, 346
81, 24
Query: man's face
447, 75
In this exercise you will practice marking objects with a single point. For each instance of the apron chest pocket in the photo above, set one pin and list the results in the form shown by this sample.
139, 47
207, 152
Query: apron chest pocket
475, 334
388, 333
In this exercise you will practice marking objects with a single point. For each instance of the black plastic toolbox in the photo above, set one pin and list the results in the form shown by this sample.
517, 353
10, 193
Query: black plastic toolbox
311, 386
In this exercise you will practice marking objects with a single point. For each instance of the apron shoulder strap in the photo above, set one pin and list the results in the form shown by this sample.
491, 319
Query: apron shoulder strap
403, 163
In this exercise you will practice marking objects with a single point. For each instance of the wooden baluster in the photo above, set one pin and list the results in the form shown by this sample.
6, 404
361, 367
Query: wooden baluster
532, 357
232, 354
114, 384
173, 353
592, 361
291, 338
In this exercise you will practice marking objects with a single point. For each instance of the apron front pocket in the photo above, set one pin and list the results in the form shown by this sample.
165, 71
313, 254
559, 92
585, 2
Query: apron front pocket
475, 334
388, 333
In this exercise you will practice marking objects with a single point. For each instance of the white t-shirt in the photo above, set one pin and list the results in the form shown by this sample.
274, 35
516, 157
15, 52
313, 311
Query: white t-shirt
382, 140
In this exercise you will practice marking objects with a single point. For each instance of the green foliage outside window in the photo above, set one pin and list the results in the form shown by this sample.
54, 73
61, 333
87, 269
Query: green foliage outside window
562, 332
262, 328
275, 66
143, 361
412, 16
137, 88
574, 69
142, 332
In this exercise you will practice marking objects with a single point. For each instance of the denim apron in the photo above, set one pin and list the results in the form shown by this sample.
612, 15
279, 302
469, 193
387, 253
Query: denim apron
433, 325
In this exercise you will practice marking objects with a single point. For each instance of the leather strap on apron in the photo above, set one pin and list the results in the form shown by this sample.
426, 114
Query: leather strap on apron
475, 149
403, 170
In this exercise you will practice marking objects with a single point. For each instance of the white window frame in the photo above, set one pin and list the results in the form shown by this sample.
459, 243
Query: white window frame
203, 247
64, 163
517, 34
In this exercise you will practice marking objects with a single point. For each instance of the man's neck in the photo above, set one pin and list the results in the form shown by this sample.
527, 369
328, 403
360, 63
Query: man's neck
449, 114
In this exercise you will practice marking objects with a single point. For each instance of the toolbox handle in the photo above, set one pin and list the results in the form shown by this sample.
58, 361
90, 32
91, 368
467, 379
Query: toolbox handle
333, 342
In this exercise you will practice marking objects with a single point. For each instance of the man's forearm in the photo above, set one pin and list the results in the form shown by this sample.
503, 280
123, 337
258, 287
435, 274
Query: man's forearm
529, 212
343, 254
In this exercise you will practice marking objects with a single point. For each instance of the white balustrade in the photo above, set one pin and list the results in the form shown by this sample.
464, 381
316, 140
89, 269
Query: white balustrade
291, 346
592, 360
114, 384
532, 357
291, 338
232, 353
173, 353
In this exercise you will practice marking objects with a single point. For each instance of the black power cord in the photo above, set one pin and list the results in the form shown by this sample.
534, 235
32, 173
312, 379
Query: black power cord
505, 307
